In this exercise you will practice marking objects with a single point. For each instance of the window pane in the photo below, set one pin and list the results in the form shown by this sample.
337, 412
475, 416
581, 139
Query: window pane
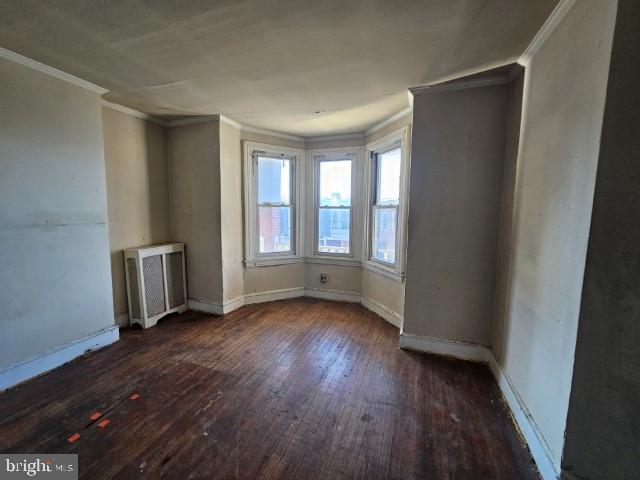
384, 234
274, 177
389, 177
335, 183
275, 229
333, 230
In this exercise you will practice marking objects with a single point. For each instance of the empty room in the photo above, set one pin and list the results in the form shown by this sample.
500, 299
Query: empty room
363, 239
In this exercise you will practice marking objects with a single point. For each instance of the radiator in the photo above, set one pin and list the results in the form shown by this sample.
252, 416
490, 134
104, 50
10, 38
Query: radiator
156, 282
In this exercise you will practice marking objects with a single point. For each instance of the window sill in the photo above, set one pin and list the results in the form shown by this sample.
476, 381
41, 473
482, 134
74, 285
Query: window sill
272, 262
330, 260
387, 272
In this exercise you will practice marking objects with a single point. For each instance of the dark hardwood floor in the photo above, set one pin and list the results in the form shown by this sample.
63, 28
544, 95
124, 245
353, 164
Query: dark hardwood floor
300, 388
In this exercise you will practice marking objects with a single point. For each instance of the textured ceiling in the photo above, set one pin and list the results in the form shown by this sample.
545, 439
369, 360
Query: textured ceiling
302, 67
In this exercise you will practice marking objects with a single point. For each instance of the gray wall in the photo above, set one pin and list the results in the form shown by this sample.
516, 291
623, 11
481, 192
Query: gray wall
54, 260
194, 173
454, 212
137, 192
564, 95
603, 425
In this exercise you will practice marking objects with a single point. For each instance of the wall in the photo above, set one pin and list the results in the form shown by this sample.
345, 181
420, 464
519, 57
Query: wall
137, 192
454, 211
603, 425
231, 211
194, 175
564, 94
340, 278
54, 261
512, 142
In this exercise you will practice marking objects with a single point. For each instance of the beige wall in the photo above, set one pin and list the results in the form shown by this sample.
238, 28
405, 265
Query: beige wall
281, 277
270, 140
339, 278
137, 192
54, 260
194, 176
317, 143
454, 212
384, 291
231, 212
564, 95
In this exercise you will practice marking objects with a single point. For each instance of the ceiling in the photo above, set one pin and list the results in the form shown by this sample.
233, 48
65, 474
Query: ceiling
304, 67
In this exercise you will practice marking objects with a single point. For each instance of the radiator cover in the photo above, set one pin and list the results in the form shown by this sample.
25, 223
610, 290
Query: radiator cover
155, 282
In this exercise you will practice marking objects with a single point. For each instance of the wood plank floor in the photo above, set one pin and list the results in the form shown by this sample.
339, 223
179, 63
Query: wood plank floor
300, 388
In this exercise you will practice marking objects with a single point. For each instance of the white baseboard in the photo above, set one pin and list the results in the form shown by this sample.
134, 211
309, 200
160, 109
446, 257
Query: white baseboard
207, 306
273, 295
122, 319
441, 346
20, 372
336, 295
389, 315
233, 304
537, 445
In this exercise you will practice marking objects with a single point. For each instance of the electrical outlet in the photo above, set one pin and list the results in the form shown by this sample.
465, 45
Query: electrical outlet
323, 278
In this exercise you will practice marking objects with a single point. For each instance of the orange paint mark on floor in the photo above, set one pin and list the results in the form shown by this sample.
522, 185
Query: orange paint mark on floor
95, 416
73, 438
135, 396
104, 423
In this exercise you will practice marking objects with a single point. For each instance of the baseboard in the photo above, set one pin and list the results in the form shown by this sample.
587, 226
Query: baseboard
441, 346
336, 295
206, 306
530, 431
389, 315
23, 371
122, 319
233, 304
273, 295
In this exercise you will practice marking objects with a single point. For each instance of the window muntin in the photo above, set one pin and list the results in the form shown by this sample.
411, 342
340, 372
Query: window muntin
333, 232
274, 204
386, 204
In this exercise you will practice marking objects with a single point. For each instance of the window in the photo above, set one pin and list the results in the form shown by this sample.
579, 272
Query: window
333, 205
386, 204
271, 198
274, 203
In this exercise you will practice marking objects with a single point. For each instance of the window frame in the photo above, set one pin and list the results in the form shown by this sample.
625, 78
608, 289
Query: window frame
389, 142
318, 159
253, 256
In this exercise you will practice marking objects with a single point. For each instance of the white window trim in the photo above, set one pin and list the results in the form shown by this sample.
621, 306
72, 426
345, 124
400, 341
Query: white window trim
397, 138
252, 256
355, 228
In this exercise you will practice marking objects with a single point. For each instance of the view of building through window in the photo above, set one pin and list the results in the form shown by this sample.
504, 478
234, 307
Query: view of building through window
274, 204
334, 206
386, 204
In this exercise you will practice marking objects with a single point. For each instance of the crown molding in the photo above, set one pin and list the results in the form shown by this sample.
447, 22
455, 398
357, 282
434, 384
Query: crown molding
54, 72
390, 120
546, 30
134, 113
344, 136
230, 121
461, 85
271, 133
193, 120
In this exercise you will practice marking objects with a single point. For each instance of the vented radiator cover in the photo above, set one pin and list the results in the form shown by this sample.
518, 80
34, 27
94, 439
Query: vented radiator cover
155, 282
